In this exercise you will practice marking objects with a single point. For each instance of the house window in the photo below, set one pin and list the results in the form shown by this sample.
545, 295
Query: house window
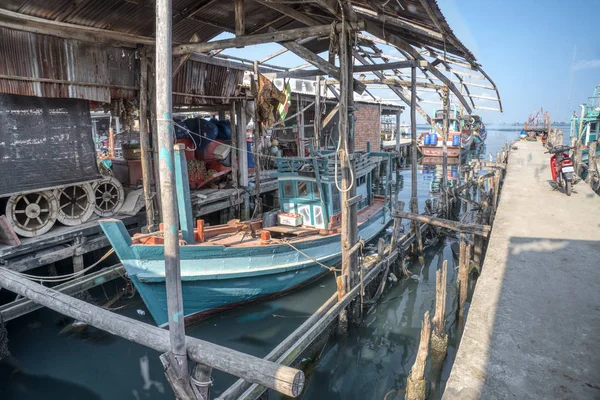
288, 189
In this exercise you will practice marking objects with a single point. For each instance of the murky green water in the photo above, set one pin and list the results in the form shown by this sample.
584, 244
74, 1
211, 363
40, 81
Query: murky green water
374, 359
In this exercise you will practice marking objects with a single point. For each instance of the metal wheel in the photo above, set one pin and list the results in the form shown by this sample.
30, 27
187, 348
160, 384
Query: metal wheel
75, 203
109, 196
32, 214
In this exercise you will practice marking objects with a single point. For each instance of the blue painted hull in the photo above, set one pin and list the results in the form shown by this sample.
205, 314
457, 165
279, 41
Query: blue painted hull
216, 278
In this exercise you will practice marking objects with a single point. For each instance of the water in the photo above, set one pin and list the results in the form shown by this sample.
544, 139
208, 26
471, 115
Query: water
374, 359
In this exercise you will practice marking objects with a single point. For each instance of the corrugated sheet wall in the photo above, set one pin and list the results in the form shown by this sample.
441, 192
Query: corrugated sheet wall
31, 55
205, 79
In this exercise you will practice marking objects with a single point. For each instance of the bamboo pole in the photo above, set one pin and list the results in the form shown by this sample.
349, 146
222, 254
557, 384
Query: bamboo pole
416, 385
164, 20
288, 381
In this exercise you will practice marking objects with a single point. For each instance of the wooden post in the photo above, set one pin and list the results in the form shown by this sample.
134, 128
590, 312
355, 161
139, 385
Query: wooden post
77, 263
164, 20
414, 202
463, 275
301, 131
240, 20
416, 385
154, 136
439, 339
234, 142
243, 158
497, 180
317, 120
145, 149
202, 380
446, 102
399, 206
257, 139
398, 134
346, 134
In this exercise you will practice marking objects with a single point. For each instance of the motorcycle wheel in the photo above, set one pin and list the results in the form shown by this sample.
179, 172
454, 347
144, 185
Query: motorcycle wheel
568, 187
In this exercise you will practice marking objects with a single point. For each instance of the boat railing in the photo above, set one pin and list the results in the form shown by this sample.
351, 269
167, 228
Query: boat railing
326, 163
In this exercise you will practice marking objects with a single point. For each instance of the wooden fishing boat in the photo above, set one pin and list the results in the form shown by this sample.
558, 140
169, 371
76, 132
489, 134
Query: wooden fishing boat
226, 266
431, 143
586, 127
474, 127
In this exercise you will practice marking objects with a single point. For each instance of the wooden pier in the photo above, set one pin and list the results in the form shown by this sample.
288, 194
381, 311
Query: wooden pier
532, 328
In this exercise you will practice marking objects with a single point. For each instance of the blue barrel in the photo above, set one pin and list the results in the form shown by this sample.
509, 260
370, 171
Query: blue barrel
456, 140
250, 154
434, 139
454, 171
427, 139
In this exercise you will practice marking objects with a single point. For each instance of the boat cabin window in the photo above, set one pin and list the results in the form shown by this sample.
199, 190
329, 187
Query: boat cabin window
335, 196
288, 188
361, 180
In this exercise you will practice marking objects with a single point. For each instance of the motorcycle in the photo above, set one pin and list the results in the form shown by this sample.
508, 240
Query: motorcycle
561, 166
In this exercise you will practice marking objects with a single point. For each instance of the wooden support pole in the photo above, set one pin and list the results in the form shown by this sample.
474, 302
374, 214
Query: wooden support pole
154, 147
416, 385
398, 131
164, 19
184, 204
243, 158
592, 168
414, 201
446, 104
234, 142
146, 151
240, 18
482, 230
463, 276
288, 381
202, 380
257, 146
317, 120
348, 189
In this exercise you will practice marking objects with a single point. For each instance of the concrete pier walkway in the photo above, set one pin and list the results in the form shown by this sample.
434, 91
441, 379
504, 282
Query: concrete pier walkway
533, 329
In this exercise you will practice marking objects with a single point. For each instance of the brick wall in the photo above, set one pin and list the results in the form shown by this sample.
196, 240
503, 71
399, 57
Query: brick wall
366, 128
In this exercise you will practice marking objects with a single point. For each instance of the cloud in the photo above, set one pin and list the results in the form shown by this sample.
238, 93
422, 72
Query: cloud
586, 64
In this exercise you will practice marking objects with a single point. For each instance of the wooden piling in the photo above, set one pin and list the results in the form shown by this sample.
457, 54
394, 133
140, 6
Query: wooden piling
164, 95
446, 121
463, 275
439, 338
592, 168
416, 385
397, 225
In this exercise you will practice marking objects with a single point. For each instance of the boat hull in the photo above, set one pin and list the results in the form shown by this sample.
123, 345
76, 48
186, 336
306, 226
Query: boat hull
438, 151
217, 278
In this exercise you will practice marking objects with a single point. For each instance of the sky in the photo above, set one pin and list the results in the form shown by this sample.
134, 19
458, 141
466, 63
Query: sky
543, 53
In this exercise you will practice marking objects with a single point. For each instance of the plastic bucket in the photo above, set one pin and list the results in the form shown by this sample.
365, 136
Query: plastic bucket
427, 140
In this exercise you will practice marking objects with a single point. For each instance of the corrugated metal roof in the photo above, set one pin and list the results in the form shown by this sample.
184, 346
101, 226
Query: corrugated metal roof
29, 55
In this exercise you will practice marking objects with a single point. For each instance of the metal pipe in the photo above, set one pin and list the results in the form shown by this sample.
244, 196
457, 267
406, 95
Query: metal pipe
164, 20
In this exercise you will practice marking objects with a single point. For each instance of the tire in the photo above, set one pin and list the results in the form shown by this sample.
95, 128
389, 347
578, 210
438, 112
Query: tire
568, 187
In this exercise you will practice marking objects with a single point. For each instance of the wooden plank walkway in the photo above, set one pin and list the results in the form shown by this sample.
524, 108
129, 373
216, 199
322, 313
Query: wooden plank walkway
533, 326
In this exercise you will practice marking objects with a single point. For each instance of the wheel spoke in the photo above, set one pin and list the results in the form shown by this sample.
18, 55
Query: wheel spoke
82, 196
80, 206
26, 199
64, 205
19, 211
38, 199
27, 222
40, 221
72, 212
74, 190
44, 210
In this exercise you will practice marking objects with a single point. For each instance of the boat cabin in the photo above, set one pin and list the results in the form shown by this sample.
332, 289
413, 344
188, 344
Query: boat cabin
309, 195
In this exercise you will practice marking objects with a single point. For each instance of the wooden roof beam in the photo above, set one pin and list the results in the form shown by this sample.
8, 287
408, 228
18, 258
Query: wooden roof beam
396, 41
297, 73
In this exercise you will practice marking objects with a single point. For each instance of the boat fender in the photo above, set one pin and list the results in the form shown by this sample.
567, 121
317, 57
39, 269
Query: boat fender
394, 277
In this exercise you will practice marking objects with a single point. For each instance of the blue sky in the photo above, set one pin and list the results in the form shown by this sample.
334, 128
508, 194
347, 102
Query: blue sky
526, 46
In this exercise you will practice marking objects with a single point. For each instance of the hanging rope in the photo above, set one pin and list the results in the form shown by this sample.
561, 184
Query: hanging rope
333, 269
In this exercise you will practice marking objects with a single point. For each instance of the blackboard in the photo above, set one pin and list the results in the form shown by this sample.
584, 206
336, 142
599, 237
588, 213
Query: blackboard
44, 143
